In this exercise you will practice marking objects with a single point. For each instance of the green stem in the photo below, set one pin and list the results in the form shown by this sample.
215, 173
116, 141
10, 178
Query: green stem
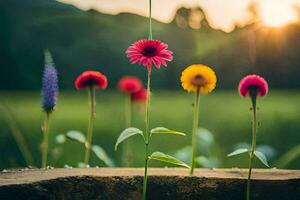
92, 104
147, 136
127, 156
195, 127
17, 134
145, 173
128, 111
45, 140
147, 121
150, 20
253, 95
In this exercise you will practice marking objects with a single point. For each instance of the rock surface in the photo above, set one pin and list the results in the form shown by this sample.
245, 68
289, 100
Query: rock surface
164, 184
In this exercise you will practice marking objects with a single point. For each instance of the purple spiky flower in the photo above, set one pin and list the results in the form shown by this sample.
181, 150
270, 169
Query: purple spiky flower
49, 84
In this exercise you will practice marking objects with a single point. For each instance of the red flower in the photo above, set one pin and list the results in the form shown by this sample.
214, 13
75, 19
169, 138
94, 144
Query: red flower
130, 84
140, 95
253, 82
148, 52
91, 79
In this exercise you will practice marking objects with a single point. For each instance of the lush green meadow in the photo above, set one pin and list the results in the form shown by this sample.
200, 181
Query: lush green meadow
224, 113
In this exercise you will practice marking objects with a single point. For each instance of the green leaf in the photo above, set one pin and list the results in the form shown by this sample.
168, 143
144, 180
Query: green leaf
167, 159
128, 133
207, 162
76, 136
205, 141
163, 130
237, 152
60, 139
261, 157
101, 154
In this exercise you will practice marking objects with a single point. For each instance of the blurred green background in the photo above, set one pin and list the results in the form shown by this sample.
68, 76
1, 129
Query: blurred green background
81, 40
224, 113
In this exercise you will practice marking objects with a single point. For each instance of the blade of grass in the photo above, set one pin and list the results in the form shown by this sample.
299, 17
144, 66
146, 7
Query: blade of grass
17, 134
288, 157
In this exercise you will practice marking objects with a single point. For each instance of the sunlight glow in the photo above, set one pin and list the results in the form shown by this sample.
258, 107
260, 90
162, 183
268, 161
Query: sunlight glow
221, 15
277, 14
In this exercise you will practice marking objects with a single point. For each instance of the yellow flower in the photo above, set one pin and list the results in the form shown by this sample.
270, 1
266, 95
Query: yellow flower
199, 78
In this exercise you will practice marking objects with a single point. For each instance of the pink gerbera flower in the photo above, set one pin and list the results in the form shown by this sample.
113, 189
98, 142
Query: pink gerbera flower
253, 82
130, 84
148, 52
139, 96
91, 79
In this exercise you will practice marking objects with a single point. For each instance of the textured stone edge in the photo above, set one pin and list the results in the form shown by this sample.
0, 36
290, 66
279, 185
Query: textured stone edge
126, 183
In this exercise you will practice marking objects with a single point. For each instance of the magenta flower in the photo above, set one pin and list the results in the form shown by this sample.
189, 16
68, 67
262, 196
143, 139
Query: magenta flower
253, 82
148, 52
252, 86
139, 96
130, 84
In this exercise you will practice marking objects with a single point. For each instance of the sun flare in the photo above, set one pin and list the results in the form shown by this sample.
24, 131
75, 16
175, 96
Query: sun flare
277, 14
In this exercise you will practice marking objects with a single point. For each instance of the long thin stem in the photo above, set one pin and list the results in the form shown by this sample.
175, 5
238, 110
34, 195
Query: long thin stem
195, 127
145, 173
17, 134
127, 157
147, 120
150, 20
147, 136
128, 110
45, 140
92, 104
253, 146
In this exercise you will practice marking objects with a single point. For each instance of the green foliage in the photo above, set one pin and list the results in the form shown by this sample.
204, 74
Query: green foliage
101, 154
127, 133
131, 131
60, 139
80, 138
207, 162
167, 159
163, 130
184, 154
277, 121
206, 148
238, 152
267, 150
261, 157
76, 136
205, 142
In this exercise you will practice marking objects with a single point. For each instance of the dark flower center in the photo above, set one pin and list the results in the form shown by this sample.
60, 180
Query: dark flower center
198, 81
253, 90
149, 51
91, 82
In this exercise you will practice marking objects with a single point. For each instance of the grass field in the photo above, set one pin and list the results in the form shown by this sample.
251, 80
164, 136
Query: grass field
225, 114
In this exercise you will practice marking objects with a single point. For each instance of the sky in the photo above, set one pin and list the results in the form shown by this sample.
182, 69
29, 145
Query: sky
221, 14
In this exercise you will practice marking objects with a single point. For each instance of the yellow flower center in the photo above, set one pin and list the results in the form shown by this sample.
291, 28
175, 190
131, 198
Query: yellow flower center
198, 81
